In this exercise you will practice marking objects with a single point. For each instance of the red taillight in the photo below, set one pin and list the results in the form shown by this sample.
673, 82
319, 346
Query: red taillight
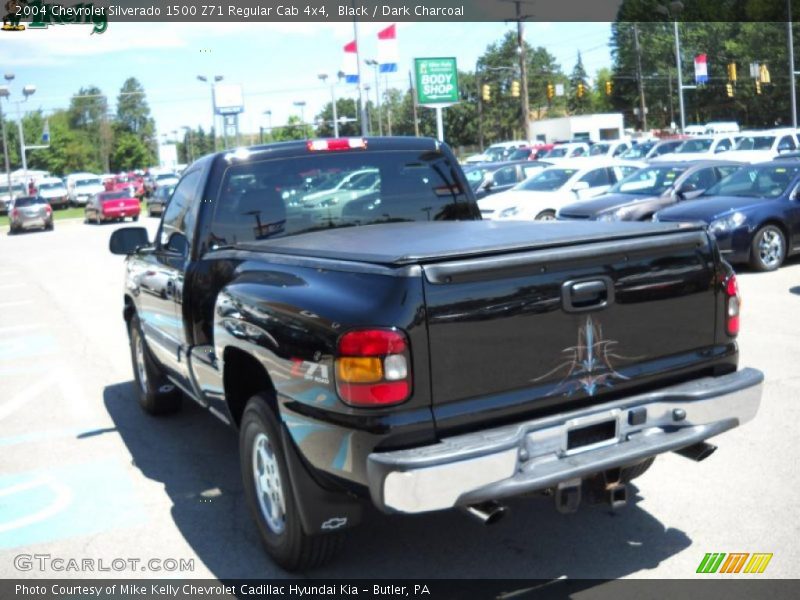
334, 144
732, 305
47, 209
15, 213
373, 367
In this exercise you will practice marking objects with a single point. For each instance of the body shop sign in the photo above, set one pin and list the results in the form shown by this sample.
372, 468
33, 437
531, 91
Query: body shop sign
437, 80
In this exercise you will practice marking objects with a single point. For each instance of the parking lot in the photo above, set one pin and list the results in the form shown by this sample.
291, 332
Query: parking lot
85, 474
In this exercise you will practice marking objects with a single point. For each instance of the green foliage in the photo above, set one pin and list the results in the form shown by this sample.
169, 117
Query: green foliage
579, 104
723, 42
130, 152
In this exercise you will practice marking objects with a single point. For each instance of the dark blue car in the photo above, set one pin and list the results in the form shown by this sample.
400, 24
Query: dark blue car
754, 214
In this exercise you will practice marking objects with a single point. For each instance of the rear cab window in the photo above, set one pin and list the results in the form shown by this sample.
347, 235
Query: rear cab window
264, 199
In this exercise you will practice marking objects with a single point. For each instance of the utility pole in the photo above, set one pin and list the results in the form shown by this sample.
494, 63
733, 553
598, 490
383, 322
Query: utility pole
642, 106
790, 40
361, 102
523, 66
413, 103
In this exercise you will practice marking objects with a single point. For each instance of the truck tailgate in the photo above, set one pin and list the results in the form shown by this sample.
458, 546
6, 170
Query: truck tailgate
550, 329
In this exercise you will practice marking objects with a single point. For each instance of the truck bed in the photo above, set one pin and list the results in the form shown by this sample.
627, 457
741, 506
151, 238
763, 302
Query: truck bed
398, 244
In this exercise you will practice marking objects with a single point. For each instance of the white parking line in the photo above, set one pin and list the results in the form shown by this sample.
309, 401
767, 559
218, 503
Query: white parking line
72, 392
15, 303
28, 394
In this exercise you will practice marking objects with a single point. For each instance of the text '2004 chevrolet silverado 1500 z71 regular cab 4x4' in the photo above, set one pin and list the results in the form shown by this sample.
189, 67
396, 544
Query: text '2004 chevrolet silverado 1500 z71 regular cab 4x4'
388, 346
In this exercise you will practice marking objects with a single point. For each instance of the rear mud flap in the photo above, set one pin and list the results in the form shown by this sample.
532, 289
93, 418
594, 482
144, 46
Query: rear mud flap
321, 510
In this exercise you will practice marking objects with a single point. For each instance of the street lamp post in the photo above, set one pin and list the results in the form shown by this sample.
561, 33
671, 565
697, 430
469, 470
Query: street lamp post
268, 113
375, 64
204, 79
323, 77
790, 41
4, 93
27, 92
302, 105
672, 11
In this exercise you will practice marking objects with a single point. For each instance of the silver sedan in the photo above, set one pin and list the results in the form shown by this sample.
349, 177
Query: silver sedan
29, 212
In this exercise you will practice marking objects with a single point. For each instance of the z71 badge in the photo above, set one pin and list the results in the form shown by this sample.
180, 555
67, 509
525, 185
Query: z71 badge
310, 371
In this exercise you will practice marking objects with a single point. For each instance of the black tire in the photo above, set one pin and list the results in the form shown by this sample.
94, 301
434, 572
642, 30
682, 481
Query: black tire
546, 215
156, 394
768, 249
628, 474
49, 226
136, 218
289, 546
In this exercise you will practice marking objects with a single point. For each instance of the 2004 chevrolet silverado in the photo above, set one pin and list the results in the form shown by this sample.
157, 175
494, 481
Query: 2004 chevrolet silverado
375, 341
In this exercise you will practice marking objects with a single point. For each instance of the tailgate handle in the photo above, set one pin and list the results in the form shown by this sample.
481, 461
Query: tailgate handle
592, 294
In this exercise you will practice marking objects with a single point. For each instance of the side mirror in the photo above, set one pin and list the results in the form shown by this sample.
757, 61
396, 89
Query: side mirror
686, 188
128, 240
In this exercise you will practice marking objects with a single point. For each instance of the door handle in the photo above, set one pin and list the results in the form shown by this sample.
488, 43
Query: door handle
589, 294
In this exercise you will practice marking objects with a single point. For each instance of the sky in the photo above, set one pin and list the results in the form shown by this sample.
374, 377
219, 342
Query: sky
277, 64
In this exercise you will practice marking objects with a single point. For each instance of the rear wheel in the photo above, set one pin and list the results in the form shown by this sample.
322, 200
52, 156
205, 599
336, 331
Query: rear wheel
269, 493
135, 218
156, 394
546, 215
768, 249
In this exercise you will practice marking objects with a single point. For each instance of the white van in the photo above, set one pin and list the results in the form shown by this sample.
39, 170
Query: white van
716, 127
54, 191
82, 186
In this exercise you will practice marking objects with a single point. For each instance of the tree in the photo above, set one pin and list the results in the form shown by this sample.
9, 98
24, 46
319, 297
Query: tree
88, 112
133, 116
130, 153
579, 100
345, 107
497, 68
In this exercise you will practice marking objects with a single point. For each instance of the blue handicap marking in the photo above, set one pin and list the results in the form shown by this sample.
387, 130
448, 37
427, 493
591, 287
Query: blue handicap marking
45, 505
27, 346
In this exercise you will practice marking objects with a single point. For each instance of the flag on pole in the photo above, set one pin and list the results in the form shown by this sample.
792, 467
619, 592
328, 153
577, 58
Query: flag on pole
387, 49
701, 68
350, 64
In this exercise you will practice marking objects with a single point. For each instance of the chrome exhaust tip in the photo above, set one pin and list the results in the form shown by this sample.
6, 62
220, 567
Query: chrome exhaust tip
488, 513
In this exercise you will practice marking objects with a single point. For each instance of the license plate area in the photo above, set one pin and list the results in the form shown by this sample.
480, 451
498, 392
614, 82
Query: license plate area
587, 433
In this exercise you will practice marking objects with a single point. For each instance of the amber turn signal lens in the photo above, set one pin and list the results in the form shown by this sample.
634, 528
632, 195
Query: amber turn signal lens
362, 369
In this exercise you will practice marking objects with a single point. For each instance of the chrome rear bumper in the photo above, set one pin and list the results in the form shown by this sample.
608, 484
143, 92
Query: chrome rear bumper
538, 454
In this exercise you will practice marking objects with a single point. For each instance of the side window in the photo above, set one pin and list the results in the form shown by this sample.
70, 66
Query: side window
622, 148
579, 151
786, 144
621, 172
505, 176
596, 178
724, 144
178, 222
723, 172
702, 179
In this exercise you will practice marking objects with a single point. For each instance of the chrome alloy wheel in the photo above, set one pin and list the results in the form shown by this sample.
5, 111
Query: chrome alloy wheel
268, 484
141, 368
770, 248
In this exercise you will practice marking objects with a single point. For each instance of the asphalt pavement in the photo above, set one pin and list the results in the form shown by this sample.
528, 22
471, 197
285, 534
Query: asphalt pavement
84, 474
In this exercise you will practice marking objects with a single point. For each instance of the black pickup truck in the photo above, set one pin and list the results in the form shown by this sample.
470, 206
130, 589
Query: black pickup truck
341, 303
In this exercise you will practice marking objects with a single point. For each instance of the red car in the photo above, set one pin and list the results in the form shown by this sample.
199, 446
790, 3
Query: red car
112, 206
130, 183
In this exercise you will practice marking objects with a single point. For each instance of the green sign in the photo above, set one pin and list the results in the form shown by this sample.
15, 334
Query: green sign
437, 80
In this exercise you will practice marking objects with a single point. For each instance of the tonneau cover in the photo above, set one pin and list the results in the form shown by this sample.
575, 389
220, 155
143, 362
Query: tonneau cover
398, 244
